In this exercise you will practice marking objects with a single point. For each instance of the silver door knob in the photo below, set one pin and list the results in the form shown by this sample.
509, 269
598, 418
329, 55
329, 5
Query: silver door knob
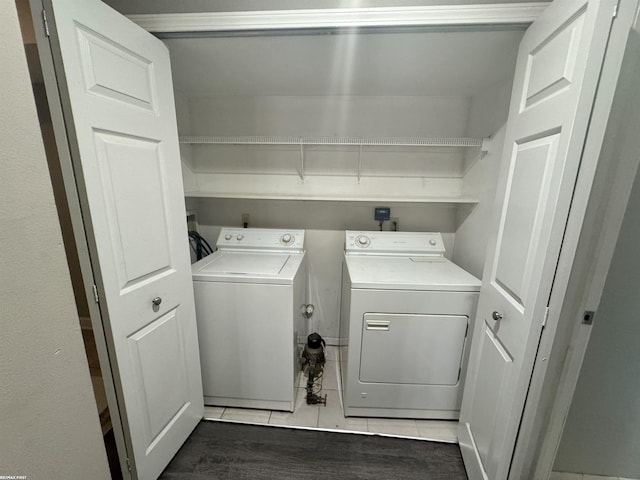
496, 315
156, 301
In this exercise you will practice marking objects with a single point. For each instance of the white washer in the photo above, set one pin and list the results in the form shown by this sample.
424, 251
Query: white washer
248, 298
405, 315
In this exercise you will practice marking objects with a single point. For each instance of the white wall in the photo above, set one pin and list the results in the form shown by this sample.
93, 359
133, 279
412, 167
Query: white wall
48, 418
329, 115
183, 117
487, 118
382, 116
602, 431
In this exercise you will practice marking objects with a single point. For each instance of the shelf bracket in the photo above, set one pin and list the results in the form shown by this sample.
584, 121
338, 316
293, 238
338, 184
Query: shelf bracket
301, 169
359, 162
486, 146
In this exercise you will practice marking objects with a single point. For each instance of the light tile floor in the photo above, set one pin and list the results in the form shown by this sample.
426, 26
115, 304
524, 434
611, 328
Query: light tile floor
330, 417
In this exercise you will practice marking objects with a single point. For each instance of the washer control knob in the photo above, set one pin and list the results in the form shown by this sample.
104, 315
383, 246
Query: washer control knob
432, 242
228, 237
363, 241
239, 237
286, 238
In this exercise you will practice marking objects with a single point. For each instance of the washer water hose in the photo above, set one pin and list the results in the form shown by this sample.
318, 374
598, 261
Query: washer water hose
199, 245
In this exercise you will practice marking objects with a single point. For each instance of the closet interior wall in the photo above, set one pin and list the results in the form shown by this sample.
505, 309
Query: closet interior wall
445, 171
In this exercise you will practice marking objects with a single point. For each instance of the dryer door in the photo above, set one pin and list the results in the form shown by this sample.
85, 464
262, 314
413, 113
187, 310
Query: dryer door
412, 348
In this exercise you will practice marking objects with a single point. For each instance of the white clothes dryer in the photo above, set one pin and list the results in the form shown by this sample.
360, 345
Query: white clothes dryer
248, 297
406, 314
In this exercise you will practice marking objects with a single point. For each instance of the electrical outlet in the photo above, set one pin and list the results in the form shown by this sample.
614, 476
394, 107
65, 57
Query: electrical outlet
394, 224
382, 213
245, 220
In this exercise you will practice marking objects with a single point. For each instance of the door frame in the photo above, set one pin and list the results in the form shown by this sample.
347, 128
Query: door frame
587, 247
277, 21
91, 279
516, 15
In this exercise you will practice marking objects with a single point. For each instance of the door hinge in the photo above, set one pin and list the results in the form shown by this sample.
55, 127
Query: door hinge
45, 23
128, 464
615, 9
546, 316
95, 294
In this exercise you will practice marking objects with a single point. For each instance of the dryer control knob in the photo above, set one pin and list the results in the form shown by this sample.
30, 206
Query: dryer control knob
432, 242
362, 240
228, 237
286, 238
240, 237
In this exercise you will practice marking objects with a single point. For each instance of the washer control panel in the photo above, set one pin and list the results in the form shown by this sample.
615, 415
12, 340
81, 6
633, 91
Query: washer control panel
394, 243
260, 238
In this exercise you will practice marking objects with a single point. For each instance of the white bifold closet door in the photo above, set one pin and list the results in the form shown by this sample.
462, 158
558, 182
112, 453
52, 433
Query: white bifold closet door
559, 62
117, 95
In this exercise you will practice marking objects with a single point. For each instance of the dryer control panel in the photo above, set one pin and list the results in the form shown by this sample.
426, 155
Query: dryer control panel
260, 239
394, 243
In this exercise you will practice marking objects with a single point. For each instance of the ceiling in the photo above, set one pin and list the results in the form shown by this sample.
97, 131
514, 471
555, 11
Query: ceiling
409, 63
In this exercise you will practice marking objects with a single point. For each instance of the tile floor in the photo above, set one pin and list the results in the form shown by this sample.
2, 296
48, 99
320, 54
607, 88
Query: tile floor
330, 417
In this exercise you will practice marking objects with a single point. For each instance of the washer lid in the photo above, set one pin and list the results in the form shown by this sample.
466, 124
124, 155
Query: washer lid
242, 266
409, 273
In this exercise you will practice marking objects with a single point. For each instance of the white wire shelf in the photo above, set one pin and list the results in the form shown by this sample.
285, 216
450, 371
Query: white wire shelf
345, 141
445, 191
444, 200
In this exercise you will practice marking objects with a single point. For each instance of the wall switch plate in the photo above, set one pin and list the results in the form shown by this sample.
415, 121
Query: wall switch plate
382, 213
